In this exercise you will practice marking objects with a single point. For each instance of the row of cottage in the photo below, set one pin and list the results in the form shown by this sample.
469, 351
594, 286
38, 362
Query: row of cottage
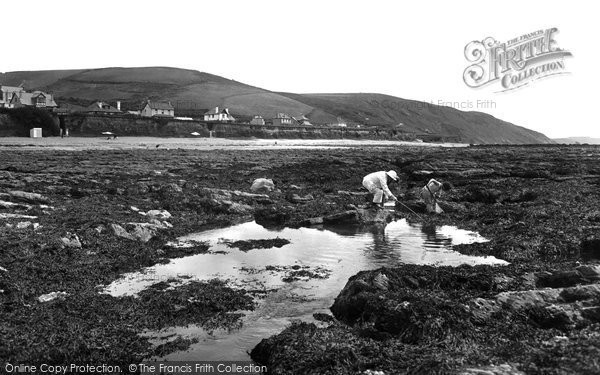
16, 97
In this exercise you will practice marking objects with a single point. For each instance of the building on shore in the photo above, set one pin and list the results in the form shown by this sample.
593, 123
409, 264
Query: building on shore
102, 108
257, 120
6, 94
158, 109
17, 97
303, 121
222, 115
282, 119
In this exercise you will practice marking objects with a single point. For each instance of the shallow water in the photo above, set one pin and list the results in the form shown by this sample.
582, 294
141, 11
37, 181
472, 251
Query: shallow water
334, 253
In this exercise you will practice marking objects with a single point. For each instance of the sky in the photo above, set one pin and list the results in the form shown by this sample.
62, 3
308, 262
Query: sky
412, 50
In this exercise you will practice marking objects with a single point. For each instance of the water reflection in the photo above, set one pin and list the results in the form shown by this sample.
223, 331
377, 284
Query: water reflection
434, 238
343, 251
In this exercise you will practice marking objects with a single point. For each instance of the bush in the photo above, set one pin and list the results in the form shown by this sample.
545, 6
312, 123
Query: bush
27, 118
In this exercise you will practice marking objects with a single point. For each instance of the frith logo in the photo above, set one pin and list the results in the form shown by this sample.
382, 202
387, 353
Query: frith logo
515, 63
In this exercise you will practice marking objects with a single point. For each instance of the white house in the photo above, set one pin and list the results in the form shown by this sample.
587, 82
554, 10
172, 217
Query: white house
158, 109
283, 119
219, 115
257, 120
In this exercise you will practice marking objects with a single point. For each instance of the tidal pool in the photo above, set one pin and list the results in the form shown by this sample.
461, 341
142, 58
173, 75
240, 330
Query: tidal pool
330, 255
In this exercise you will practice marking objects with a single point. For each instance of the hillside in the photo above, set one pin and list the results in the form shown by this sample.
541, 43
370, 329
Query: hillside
190, 90
578, 140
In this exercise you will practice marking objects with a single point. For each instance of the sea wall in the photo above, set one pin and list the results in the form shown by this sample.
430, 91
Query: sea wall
17, 122
87, 125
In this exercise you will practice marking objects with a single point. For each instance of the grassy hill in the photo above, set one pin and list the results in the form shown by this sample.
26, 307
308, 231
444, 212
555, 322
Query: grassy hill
190, 90
578, 140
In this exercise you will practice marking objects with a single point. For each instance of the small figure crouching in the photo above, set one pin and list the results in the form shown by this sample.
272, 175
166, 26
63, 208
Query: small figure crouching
431, 192
377, 184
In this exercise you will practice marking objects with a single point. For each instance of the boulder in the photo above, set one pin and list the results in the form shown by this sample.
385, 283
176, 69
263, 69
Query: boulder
312, 221
295, 198
482, 309
17, 216
15, 206
25, 197
24, 224
527, 299
243, 194
142, 232
238, 208
52, 296
548, 307
360, 291
273, 216
71, 240
159, 214
262, 185
121, 232
345, 217
589, 271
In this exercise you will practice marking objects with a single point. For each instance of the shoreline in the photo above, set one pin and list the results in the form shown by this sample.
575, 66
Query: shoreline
133, 143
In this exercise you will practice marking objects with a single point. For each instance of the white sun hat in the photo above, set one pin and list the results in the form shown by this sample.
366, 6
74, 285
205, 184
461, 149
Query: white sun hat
393, 175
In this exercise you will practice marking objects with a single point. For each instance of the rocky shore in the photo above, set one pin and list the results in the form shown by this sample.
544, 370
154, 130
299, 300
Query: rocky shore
73, 221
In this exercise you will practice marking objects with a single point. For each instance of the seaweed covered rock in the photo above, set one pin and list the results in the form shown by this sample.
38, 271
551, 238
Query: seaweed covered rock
361, 290
273, 215
590, 248
480, 195
390, 318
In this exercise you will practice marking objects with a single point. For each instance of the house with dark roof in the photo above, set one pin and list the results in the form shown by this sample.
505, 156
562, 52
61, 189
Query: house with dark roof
219, 115
38, 99
282, 119
6, 94
302, 120
158, 109
101, 108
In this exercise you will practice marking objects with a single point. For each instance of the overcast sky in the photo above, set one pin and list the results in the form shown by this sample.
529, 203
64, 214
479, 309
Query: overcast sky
413, 50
